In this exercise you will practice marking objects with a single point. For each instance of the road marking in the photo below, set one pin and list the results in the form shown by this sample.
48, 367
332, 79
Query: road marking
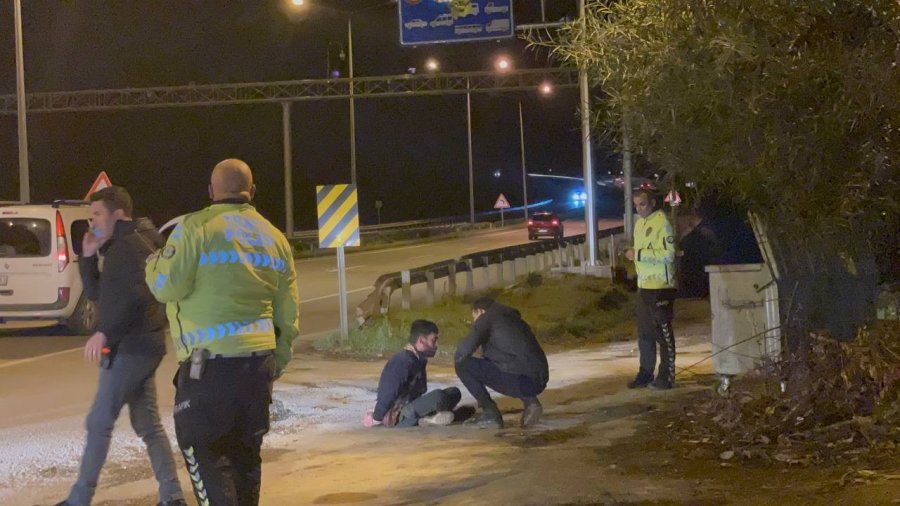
323, 297
32, 359
346, 269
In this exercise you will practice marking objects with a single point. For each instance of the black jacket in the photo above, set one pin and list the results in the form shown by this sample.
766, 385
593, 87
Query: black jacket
507, 341
133, 321
403, 378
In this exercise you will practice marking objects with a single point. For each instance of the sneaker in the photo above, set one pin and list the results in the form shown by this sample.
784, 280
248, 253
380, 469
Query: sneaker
642, 380
531, 414
439, 419
662, 384
173, 502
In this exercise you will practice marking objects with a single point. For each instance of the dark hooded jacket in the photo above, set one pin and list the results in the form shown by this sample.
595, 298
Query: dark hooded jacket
128, 314
507, 341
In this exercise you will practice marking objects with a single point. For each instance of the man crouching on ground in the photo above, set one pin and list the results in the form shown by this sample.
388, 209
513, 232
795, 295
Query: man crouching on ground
514, 363
402, 401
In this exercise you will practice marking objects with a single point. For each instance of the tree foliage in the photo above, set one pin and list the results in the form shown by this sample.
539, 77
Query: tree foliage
790, 107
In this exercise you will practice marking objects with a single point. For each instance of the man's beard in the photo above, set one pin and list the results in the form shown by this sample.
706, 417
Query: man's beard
429, 352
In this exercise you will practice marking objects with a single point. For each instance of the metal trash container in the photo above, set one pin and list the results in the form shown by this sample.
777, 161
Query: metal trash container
745, 319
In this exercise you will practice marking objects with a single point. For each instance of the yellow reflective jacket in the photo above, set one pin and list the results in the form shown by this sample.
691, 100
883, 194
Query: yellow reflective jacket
228, 280
654, 252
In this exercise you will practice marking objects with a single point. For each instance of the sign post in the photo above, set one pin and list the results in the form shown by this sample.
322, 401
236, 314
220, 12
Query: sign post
338, 209
501, 204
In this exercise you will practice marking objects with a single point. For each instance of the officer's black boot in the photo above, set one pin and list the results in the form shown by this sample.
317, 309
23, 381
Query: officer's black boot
642, 380
490, 417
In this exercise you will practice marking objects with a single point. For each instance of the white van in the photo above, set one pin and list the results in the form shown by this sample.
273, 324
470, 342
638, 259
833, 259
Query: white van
39, 250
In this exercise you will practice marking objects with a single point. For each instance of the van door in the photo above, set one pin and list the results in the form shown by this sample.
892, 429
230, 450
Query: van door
27, 265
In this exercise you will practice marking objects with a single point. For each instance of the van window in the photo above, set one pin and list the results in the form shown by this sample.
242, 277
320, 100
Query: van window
24, 237
76, 234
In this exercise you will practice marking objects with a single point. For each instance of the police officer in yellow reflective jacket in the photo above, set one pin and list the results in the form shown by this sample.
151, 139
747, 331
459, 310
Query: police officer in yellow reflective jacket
227, 277
654, 260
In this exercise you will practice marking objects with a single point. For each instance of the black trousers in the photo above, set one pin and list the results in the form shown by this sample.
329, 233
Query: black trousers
220, 421
428, 404
479, 374
655, 311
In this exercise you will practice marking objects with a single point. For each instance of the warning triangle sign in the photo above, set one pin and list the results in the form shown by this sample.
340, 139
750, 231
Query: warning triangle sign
501, 203
100, 183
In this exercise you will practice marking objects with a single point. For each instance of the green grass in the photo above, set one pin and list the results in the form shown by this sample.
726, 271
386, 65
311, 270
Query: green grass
566, 311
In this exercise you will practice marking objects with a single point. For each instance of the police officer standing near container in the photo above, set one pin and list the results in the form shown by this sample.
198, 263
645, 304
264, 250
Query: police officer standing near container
227, 276
654, 260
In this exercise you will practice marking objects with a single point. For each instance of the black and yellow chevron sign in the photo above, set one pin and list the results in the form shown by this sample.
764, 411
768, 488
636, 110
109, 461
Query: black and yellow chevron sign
338, 215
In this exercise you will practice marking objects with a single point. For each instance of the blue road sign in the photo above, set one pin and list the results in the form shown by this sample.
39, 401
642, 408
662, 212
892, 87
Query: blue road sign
434, 21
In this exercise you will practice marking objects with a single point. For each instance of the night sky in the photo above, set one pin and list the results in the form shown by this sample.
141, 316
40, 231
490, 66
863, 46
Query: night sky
411, 152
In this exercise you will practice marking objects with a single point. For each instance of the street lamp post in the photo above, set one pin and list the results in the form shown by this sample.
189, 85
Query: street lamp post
24, 183
590, 218
471, 172
352, 102
524, 174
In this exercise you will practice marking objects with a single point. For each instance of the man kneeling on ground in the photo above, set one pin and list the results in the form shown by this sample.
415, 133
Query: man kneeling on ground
514, 363
402, 401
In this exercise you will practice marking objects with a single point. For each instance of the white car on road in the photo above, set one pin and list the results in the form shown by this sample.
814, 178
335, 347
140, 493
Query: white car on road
492, 8
415, 23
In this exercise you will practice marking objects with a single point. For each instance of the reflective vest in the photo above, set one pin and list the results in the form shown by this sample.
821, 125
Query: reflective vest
654, 252
228, 280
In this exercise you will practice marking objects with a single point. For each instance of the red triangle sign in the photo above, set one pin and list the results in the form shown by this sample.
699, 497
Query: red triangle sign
100, 183
501, 203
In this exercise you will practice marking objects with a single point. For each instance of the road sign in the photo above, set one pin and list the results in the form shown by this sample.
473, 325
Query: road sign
100, 183
501, 203
673, 198
338, 215
338, 207
435, 21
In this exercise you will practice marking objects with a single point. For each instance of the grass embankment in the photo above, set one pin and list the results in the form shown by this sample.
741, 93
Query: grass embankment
565, 311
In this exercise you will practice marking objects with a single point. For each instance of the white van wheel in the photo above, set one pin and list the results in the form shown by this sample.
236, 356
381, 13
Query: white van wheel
84, 319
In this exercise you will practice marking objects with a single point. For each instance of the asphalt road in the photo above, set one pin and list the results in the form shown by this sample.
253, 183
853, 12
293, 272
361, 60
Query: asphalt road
43, 375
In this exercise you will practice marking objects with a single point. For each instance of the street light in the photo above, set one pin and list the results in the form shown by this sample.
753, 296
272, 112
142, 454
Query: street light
502, 63
545, 89
296, 6
432, 65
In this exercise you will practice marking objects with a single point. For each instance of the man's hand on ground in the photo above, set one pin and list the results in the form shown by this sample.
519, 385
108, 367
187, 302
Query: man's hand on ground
369, 421
93, 349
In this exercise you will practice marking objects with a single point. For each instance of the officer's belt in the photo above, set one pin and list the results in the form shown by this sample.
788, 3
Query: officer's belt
249, 354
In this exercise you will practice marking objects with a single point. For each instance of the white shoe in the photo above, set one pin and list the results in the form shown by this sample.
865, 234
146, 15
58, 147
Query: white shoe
440, 419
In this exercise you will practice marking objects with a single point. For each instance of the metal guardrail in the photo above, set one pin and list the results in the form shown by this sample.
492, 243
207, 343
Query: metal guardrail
563, 252
400, 225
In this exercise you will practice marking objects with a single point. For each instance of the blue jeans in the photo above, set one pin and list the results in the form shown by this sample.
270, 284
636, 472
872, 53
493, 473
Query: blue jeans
129, 381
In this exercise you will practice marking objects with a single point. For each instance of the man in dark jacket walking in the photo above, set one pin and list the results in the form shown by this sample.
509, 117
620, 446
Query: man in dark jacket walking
402, 401
129, 342
514, 363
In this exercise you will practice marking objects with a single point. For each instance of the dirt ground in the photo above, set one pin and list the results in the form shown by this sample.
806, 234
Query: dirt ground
598, 443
